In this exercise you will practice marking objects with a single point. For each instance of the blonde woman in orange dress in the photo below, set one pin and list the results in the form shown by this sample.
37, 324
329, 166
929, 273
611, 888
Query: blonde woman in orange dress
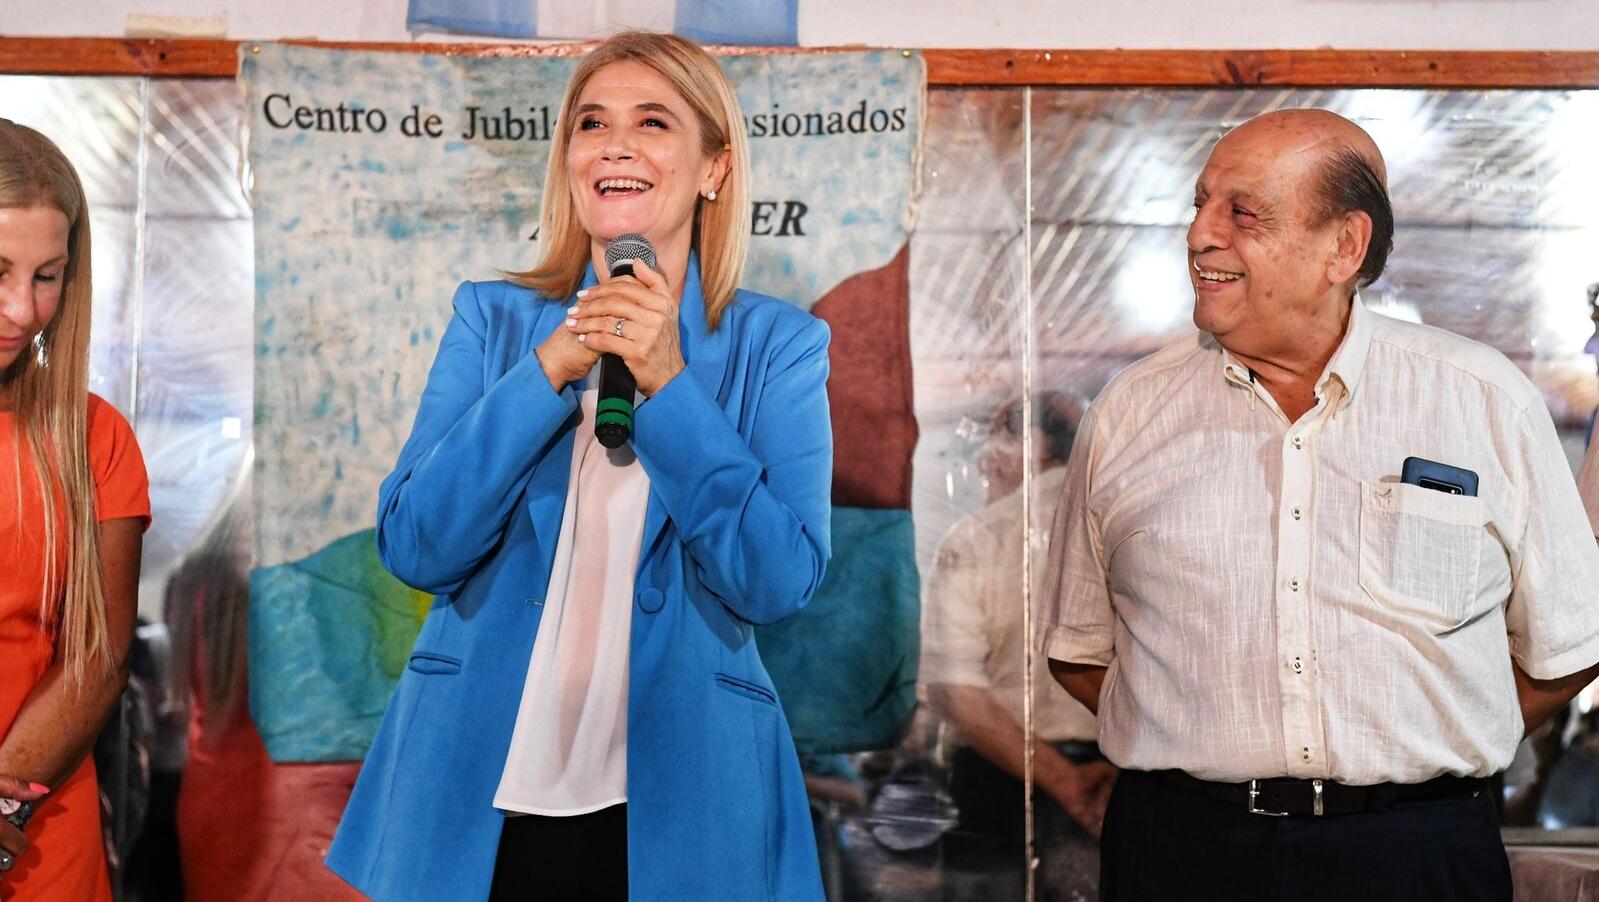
69, 568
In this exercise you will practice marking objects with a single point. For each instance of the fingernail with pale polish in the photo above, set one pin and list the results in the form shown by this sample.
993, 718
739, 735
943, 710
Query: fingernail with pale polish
571, 310
570, 321
582, 291
580, 339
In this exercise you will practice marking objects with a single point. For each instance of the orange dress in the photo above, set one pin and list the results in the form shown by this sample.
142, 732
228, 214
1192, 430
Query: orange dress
65, 859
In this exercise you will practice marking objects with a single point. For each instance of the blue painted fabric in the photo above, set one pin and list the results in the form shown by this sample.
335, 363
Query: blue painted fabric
738, 448
329, 637
757, 22
846, 664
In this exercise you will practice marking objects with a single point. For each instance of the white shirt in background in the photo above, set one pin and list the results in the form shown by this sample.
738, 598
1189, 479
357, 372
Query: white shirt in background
972, 614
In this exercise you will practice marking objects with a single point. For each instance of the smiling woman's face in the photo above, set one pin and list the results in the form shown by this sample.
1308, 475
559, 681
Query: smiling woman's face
634, 163
33, 260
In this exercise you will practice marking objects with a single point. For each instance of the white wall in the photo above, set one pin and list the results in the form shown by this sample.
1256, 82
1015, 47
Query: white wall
1345, 24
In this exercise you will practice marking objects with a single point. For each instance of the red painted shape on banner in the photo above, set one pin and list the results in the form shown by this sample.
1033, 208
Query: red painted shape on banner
874, 419
251, 830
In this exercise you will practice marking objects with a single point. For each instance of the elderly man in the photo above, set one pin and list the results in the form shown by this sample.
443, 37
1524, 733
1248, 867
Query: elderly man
1305, 663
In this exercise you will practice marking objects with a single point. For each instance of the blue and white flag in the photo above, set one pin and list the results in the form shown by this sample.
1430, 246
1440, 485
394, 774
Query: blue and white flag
765, 22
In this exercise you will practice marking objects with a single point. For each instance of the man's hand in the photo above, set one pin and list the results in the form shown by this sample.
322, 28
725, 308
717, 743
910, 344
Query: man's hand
1083, 790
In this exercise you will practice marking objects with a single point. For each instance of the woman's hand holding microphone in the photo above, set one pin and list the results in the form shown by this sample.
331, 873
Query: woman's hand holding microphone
633, 317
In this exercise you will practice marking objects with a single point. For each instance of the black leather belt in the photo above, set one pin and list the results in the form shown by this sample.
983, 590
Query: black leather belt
1282, 796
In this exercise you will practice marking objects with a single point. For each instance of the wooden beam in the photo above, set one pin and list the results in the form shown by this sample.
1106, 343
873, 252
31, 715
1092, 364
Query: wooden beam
1260, 68
179, 58
115, 56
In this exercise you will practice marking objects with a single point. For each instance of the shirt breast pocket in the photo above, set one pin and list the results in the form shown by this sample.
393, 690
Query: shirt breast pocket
1420, 552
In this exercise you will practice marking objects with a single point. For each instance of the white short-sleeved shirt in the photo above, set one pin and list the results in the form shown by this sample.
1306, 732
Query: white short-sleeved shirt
1270, 600
972, 617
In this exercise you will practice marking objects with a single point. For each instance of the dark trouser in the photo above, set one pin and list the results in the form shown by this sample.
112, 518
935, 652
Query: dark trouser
1164, 840
580, 858
985, 857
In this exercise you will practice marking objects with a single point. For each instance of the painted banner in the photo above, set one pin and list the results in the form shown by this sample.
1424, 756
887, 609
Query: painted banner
764, 22
379, 182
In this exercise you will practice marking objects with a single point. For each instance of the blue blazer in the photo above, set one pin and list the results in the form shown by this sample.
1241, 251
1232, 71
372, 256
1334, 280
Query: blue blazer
738, 448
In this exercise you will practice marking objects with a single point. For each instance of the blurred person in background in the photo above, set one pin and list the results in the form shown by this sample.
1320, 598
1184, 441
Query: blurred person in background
973, 673
249, 829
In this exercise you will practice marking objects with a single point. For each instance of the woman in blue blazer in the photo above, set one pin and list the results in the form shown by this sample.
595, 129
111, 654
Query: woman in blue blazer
642, 753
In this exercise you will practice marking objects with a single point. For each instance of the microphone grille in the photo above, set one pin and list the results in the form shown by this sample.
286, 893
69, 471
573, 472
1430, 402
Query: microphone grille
630, 247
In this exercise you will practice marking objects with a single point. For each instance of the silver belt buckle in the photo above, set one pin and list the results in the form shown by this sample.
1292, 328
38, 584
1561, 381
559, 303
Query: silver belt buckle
1254, 795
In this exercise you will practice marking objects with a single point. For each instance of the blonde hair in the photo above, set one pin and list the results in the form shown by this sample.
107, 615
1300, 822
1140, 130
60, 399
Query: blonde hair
51, 394
721, 227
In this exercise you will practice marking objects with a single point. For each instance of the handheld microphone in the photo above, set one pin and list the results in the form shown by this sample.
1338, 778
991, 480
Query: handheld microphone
613, 419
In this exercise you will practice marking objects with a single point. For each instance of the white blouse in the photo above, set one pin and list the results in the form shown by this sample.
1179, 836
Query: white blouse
569, 747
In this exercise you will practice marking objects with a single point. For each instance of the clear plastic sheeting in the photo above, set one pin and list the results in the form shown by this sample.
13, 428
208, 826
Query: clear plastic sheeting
967, 294
194, 379
1048, 255
1495, 197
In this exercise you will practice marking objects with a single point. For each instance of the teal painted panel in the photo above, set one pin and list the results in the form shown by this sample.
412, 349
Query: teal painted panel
845, 665
329, 636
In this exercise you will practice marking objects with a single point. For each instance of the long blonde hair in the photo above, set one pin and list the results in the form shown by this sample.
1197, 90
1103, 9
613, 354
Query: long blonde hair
51, 392
722, 227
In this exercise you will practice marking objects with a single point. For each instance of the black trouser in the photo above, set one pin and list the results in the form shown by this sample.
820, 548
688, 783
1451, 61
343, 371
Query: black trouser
1166, 841
991, 802
985, 856
580, 858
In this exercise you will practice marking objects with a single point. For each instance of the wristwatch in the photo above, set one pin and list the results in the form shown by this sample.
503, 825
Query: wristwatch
18, 814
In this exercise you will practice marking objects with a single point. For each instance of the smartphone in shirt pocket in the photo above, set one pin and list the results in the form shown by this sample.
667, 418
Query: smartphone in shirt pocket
1430, 474
1421, 542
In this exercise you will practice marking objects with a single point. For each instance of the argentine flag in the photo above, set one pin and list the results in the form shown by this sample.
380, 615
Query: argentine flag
766, 22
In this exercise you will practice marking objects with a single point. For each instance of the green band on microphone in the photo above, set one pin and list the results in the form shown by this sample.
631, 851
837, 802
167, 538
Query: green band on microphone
614, 410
